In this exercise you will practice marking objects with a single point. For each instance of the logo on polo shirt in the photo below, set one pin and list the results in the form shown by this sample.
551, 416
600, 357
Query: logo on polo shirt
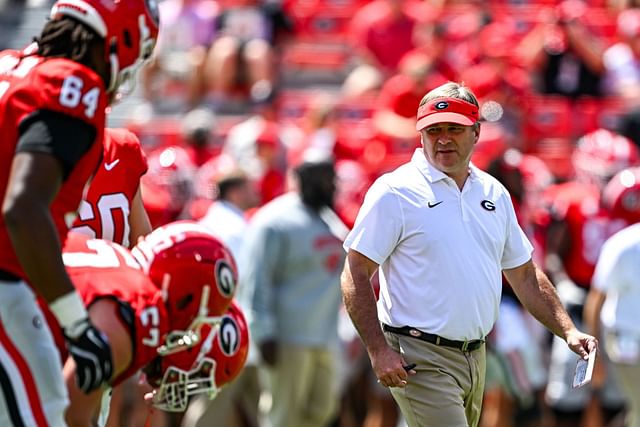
488, 205
441, 105
433, 205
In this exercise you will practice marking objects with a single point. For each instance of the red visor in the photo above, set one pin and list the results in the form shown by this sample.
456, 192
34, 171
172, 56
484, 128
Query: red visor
450, 110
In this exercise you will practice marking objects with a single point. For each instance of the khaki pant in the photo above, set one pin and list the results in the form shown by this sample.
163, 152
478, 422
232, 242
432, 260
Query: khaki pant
629, 376
235, 404
303, 387
448, 387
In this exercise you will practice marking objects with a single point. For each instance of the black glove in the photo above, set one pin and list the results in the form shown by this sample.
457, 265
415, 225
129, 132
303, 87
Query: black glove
91, 352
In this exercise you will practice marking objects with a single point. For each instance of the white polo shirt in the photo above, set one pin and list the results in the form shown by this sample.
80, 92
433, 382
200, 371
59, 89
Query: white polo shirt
441, 251
618, 275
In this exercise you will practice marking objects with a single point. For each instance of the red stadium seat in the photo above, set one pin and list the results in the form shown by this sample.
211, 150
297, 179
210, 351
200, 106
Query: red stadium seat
597, 113
321, 31
547, 117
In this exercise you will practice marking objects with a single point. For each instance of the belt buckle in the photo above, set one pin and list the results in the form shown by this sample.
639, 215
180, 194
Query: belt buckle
465, 346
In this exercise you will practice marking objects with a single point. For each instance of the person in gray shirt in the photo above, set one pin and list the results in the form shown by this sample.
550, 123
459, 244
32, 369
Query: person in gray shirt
294, 253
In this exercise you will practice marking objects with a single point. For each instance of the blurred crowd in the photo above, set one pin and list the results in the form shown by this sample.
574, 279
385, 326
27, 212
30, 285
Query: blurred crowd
240, 92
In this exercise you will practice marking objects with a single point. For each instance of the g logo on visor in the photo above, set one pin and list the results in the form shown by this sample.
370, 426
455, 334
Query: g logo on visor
225, 279
441, 105
229, 336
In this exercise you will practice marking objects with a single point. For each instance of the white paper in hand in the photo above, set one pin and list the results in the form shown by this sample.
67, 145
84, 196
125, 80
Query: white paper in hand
584, 370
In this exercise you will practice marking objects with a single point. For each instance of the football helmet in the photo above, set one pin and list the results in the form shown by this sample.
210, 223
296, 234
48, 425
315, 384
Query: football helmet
129, 28
205, 368
196, 274
621, 195
600, 154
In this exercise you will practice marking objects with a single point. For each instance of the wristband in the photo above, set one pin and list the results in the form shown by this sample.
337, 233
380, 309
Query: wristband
69, 309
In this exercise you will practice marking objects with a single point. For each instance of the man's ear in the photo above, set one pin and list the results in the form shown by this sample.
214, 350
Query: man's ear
477, 132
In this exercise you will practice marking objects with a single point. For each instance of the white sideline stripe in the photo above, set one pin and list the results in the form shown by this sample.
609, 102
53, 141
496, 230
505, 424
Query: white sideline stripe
19, 389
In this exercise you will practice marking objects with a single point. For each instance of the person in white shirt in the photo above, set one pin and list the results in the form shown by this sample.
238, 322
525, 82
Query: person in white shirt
613, 303
441, 233
236, 403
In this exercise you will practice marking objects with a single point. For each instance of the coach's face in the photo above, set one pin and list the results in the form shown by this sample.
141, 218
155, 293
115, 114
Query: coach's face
448, 146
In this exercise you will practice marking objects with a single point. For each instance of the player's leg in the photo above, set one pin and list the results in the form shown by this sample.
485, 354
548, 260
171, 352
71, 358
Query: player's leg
32, 389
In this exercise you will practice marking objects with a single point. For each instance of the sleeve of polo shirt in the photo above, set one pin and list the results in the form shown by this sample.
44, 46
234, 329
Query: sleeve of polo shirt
378, 226
518, 248
607, 268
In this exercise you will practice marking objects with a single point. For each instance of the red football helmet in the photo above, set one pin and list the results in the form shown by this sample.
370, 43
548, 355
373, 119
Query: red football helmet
205, 368
621, 195
601, 154
129, 28
196, 273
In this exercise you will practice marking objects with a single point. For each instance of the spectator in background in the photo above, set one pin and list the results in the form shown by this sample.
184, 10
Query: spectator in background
226, 216
272, 182
622, 60
394, 119
383, 23
198, 127
257, 145
167, 187
236, 405
629, 125
565, 56
242, 58
175, 80
294, 244
613, 302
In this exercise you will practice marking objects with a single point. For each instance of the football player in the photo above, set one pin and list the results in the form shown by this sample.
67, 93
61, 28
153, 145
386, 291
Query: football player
204, 368
184, 269
580, 222
53, 96
112, 208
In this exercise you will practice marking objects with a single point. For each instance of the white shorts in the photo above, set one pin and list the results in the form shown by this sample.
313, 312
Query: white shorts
32, 389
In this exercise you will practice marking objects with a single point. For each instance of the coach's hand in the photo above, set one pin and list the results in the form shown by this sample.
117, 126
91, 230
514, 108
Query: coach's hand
91, 352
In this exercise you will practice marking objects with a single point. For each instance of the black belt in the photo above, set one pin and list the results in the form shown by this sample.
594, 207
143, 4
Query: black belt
5, 276
434, 339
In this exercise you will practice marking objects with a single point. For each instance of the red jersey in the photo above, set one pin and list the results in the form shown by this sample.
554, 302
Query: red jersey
103, 269
104, 212
589, 225
29, 83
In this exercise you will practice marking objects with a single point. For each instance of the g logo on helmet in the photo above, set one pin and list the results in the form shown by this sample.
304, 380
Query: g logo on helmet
225, 278
229, 336
441, 105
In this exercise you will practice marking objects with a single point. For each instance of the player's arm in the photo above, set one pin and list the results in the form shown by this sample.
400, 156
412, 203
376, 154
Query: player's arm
84, 408
539, 297
48, 147
138, 220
